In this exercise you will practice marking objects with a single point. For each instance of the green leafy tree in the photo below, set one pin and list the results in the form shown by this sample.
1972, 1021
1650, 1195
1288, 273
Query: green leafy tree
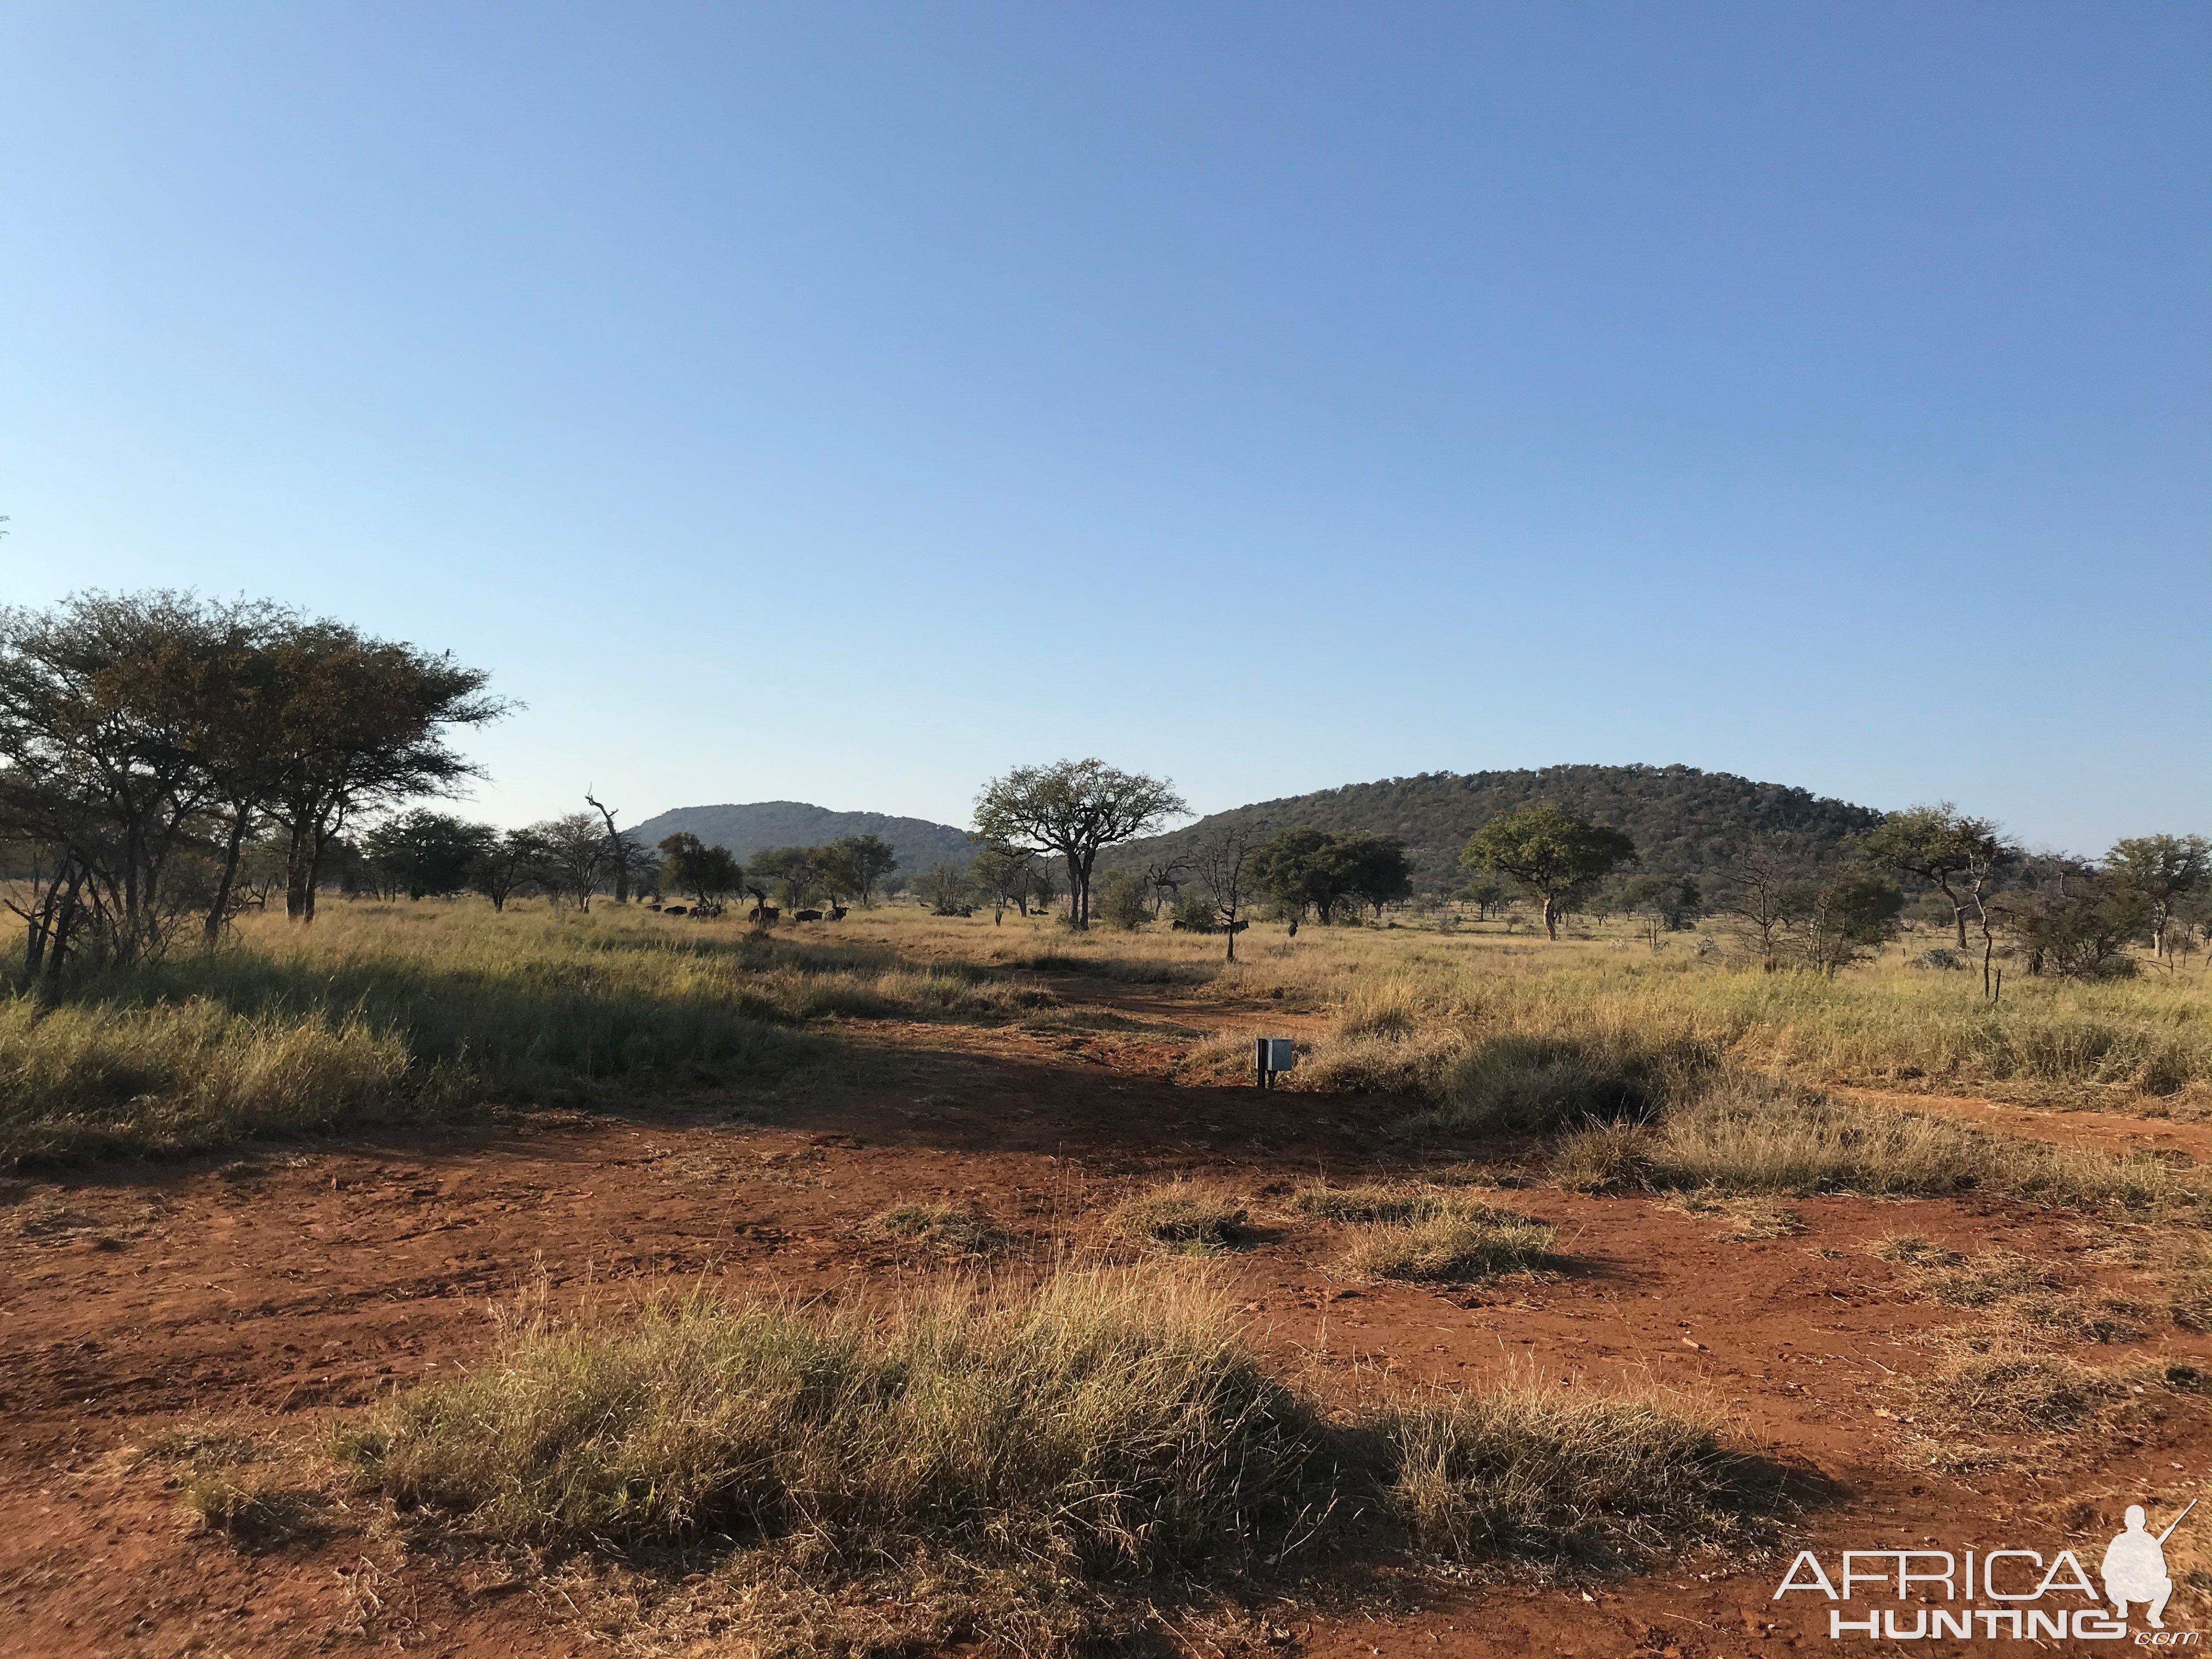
795, 871
1661, 904
709, 874
855, 866
1549, 851
1074, 809
1374, 869
1006, 874
424, 853
2164, 874
1844, 919
1939, 845
1294, 869
1125, 901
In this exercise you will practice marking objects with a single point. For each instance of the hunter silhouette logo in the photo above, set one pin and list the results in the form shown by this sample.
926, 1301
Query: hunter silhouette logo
2015, 1593
2134, 1566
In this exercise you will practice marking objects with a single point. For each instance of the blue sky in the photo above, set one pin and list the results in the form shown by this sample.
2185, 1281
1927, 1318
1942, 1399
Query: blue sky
843, 404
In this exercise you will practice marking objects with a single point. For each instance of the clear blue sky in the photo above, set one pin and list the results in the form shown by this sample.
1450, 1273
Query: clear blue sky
843, 402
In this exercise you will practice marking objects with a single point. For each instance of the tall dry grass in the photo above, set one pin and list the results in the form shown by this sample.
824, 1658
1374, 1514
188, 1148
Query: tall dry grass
2147, 1039
1096, 1429
379, 1009
1749, 1134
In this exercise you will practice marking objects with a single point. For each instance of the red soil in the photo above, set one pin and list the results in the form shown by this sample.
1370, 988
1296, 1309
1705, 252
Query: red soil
293, 1283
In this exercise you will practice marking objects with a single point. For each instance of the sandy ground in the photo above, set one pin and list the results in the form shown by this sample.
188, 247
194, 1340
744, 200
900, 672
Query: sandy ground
290, 1283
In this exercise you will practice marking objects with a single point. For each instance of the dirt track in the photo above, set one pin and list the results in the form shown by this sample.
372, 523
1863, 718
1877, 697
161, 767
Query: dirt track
293, 1283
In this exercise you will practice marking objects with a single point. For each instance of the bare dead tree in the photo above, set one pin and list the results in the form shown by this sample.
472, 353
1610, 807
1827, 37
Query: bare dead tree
621, 851
1222, 867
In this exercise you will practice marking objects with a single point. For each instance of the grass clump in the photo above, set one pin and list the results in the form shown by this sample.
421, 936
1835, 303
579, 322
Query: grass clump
1533, 1082
228, 1479
1183, 1215
2009, 1392
952, 1228
1383, 1202
1750, 1220
1109, 1422
1461, 1243
1544, 1477
1011, 1470
1753, 1135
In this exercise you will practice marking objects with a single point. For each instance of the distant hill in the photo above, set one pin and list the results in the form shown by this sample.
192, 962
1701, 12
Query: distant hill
1684, 822
747, 829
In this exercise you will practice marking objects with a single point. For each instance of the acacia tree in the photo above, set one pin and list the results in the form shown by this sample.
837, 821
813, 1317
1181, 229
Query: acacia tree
504, 865
1661, 904
1841, 919
855, 865
1548, 850
1762, 892
572, 856
1941, 846
797, 871
1074, 808
424, 853
363, 722
709, 874
1006, 874
947, 888
2164, 872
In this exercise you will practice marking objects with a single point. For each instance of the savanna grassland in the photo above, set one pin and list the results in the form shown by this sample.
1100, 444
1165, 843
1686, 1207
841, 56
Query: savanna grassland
552, 1281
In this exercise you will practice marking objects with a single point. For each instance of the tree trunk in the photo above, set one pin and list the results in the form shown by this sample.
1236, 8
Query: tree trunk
1958, 910
1551, 917
221, 908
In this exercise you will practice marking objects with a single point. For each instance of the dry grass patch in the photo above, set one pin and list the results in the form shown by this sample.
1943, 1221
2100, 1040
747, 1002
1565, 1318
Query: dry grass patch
2007, 1391
1035, 1471
1551, 1478
1751, 1135
2024, 1292
1462, 1244
1108, 1421
950, 1229
1382, 1201
1188, 1216
232, 1480
1750, 1220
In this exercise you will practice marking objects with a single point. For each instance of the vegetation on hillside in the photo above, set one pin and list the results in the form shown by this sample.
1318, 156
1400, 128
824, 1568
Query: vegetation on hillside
1683, 821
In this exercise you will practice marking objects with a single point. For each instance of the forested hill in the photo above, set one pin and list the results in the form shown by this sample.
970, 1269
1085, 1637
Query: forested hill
746, 830
1683, 821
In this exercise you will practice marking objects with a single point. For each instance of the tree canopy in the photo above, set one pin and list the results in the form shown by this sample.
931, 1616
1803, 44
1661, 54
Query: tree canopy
1074, 808
1549, 851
